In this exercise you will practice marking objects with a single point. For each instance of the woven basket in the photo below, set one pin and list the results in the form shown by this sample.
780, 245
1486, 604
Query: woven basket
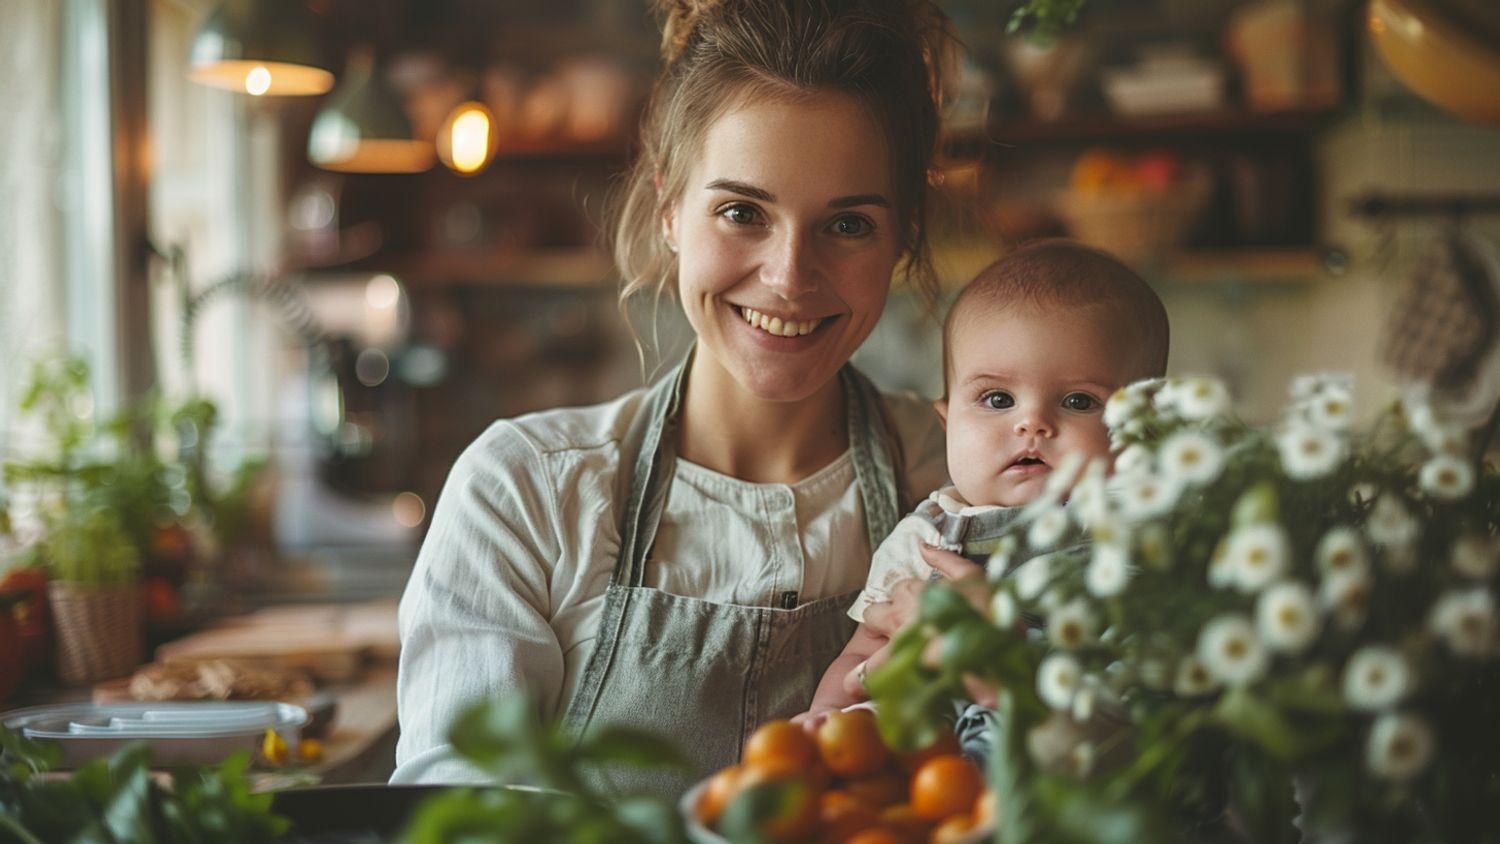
98, 631
1139, 228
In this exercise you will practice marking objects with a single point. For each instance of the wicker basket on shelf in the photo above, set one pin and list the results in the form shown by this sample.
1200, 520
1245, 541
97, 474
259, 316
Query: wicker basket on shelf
1139, 227
99, 633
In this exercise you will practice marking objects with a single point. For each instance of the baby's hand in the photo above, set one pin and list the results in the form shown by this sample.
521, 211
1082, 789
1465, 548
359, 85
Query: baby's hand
813, 718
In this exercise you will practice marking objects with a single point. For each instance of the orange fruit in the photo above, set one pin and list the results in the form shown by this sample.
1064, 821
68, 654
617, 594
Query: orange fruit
721, 788
877, 835
945, 745
780, 745
905, 822
798, 817
886, 788
986, 809
850, 743
841, 815
952, 830
945, 786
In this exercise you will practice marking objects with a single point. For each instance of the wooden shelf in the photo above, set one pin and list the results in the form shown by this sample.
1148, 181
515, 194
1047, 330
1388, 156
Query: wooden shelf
577, 269
1110, 128
957, 263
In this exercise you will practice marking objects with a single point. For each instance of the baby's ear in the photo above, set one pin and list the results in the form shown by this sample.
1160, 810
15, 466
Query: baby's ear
941, 406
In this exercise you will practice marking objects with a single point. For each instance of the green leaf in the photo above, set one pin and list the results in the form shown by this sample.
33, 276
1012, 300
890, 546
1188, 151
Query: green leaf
1263, 799
1256, 505
943, 605
749, 811
490, 731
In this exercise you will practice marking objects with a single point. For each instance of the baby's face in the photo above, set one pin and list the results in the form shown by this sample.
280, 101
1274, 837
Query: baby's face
1027, 388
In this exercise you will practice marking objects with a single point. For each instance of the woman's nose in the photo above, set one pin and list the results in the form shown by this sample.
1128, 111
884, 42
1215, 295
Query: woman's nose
789, 267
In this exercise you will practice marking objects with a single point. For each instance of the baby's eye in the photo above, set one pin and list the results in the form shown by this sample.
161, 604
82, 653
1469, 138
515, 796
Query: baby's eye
739, 213
852, 226
1080, 401
998, 400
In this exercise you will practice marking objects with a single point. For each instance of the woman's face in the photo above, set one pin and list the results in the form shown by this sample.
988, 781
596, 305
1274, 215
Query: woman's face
787, 235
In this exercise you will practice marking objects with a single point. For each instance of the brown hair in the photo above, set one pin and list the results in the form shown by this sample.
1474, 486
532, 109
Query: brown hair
1061, 273
886, 54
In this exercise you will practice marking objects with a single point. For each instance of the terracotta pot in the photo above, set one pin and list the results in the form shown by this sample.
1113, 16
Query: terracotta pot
99, 634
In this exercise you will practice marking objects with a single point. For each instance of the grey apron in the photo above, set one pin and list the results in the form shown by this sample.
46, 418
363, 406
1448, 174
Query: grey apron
701, 674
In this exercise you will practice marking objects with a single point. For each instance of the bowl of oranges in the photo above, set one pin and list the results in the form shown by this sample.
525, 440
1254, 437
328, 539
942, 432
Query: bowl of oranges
840, 783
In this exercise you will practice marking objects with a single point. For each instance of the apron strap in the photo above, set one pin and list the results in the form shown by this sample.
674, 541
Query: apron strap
874, 451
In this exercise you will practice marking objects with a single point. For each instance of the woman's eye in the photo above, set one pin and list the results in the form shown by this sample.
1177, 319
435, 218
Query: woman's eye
1080, 401
852, 226
741, 215
998, 400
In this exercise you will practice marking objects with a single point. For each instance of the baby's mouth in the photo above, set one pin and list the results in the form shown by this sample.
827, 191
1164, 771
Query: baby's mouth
778, 326
1027, 463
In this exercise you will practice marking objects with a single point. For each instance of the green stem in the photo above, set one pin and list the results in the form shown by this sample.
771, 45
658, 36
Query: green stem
19, 831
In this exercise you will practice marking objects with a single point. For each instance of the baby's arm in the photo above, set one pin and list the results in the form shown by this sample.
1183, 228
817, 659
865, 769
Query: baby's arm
840, 687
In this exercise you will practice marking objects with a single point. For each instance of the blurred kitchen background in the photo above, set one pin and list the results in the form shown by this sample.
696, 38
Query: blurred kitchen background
359, 311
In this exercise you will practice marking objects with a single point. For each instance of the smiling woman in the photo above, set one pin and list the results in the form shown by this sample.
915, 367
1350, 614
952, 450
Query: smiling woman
680, 559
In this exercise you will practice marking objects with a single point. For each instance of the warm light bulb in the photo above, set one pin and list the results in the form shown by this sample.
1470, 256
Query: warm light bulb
257, 81
466, 145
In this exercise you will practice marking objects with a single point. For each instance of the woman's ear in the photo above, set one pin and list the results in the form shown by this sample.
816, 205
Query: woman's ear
941, 406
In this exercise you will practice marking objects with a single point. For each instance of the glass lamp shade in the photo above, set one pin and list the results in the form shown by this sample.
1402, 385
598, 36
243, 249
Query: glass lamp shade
1445, 51
466, 143
261, 47
364, 129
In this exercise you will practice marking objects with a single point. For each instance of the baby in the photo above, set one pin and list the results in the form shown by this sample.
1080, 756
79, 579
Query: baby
1032, 349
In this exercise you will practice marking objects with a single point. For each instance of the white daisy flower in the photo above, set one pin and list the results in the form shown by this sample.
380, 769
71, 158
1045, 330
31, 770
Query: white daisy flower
1476, 556
1193, 678
1390, 525
1312, 385
1088, 504
1057, 680
1047, 528
1286, 617
1192, 457
1108, 571
1331, 408
1439, 435
1220, 571
1135, 456
1230, 649
1466, 621
997, 566
1200, 399
1145, 494
1399, 747
1154, 546
1051, 600
1446, 476
1256, 555
1072, 626
1377, 677
1341, 550
1122, 406
1085, 699
1308, 452
1032, 577
1347, 595
1003, 610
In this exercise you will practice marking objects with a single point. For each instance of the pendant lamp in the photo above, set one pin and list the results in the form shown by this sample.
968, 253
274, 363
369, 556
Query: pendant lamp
261, 47
363, 127
466, 143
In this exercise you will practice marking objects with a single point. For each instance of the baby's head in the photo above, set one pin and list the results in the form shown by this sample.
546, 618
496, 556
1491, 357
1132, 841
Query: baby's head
1032, 349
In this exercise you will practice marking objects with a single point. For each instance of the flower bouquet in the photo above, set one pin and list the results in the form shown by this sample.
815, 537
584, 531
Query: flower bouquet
1272, 634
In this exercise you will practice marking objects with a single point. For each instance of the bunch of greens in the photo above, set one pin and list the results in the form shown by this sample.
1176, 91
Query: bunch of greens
118, 801
1298, 623
1047, 19
559, 802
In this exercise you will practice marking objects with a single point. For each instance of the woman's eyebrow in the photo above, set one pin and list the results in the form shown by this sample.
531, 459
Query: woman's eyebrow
754, 192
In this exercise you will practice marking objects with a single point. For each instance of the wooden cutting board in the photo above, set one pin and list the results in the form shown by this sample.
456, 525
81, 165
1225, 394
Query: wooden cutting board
330, 642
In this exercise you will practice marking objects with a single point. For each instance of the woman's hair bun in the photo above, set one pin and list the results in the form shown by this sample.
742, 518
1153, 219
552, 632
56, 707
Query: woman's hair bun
679, 19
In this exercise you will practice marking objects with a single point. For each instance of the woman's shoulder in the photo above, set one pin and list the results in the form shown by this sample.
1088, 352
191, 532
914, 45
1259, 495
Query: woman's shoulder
546, 435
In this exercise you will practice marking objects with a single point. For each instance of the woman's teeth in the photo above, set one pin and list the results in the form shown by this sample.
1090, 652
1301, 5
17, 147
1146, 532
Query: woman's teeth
778, 326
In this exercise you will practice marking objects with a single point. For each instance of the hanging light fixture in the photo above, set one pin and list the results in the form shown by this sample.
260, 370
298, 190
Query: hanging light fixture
466, 143
363, 127
261, 47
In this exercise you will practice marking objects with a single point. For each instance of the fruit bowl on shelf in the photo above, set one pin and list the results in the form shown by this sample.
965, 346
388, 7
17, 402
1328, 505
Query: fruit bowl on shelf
1139, 208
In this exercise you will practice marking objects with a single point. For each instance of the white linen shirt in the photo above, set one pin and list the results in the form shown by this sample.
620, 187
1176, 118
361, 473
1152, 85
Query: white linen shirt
508, 589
